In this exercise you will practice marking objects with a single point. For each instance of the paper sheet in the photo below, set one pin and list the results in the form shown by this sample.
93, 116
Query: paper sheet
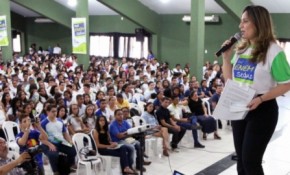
233, 102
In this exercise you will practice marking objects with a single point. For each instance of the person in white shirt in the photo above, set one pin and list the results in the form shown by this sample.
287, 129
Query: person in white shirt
188, 123
149, 91
57, 50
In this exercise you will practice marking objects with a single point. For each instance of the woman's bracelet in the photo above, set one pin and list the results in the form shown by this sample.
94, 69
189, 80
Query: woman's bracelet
261, 99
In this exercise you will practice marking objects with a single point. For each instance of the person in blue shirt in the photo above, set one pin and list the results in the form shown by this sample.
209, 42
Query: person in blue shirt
59, 139
28, 138
118, 132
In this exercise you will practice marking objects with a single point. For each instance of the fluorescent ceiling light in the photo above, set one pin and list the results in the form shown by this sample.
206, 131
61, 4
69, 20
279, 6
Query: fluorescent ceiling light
72, 3
212, 18
164, 1
43, 20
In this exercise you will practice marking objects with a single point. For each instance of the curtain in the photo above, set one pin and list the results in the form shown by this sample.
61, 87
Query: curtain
102, 46
119, 45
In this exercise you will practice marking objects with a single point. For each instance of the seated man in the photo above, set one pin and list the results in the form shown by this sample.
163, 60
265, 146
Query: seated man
59, 140
121, 102
28, 138
118, 132
164, 119
214, 100
9, 166
187, 123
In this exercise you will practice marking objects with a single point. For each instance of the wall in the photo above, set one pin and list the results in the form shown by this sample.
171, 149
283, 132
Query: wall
47, 34
102, 24
175, 37
281, 25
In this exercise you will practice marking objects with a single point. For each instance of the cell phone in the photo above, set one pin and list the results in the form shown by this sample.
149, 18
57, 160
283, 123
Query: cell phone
37, 120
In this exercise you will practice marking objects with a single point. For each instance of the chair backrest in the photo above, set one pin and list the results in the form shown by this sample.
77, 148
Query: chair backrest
94, 145
135, 106
138, 97
79, 143
9, 127
138, 121
205, 101
141, 105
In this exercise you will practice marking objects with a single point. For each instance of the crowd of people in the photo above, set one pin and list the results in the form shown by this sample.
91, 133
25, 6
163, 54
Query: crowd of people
51, 97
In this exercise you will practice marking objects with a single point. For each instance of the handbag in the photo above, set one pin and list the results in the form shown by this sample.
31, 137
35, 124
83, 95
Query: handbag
87, 153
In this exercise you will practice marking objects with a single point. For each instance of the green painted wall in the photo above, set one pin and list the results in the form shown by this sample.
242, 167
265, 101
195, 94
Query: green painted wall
282, 25
47, 34
102, 24
175, 37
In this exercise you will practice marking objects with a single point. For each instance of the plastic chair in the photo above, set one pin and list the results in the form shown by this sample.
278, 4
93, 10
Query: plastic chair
78, 141
8, 128
135, 106
138, 121
205, 101
108, 160
141, 105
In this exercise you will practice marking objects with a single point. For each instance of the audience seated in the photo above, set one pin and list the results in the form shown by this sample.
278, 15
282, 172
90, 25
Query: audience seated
32, 83
105, 146
150, 119
207, 122
187, 123
59, 140
163, 116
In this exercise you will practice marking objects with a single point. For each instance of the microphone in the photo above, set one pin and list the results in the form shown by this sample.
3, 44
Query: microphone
234, 39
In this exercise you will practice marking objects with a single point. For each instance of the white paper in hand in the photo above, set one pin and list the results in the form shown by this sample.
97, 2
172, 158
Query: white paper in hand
233, 102
238, 107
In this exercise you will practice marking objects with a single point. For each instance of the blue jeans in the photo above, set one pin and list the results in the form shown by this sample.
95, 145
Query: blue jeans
188, 126
53, 155
132, 147
124, 152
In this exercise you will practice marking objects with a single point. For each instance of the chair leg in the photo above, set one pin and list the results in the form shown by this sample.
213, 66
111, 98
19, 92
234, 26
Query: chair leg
88, 169
78, 168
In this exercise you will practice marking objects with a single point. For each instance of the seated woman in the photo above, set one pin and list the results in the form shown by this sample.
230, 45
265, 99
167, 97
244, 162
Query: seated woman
150, 119
89, 118
75, 123
207, 122
106, 147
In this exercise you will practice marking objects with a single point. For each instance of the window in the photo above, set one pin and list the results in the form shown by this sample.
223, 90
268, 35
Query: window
16, 43
118, 45
102, 46
130, 47
123, 46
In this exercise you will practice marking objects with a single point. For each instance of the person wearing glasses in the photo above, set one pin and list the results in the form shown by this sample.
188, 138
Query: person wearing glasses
259, 63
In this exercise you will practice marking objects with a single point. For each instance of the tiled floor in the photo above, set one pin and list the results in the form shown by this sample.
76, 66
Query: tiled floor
190, 161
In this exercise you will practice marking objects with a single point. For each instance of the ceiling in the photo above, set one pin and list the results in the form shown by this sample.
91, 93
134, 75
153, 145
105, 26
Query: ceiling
161, 7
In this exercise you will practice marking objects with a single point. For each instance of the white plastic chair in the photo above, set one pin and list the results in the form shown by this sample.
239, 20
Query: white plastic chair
8, 128
138, 121
135, 106
141, 106
206, 101
112, 163
78, 141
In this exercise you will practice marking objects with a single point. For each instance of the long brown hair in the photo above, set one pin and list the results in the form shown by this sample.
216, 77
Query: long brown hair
264, 33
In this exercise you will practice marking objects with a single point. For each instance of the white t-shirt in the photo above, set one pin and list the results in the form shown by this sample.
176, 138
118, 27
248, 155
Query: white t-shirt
259, 76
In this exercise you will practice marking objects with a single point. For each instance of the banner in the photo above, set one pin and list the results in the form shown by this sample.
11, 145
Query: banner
3, 32
79, 41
